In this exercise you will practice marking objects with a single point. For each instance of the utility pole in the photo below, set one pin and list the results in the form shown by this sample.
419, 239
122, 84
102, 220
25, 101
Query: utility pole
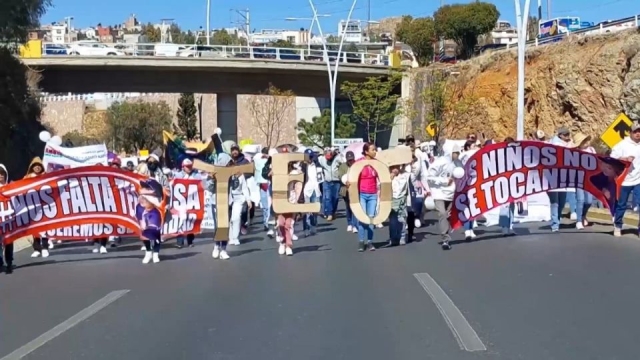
67, 20
247, 21
548, 9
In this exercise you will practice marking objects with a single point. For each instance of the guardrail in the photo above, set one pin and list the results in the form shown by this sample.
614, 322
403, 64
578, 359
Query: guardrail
90, 98
84, 48
613, 26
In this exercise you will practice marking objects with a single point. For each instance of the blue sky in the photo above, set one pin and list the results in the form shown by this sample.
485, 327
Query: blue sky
190, 14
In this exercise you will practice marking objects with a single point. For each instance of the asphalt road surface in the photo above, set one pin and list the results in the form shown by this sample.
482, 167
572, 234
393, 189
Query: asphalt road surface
534, 296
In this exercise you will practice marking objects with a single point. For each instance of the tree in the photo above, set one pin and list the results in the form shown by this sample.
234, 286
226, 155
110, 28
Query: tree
317, 132
19, 17
350, 48
282, 44
269, 112
532, 28
76, 138
221, 37
133, 126
419, 34
187, 117
464, 23
374, 102
151, 32
20, 109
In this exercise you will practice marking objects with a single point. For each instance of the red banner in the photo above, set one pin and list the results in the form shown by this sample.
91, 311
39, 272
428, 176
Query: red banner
95, 201
500, 173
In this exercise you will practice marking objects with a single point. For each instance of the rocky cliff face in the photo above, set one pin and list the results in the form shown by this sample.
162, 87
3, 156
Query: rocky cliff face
581, 82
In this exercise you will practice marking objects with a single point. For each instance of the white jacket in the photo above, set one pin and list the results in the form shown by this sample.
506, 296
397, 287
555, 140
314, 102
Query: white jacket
438, 176
241, 193
626, 148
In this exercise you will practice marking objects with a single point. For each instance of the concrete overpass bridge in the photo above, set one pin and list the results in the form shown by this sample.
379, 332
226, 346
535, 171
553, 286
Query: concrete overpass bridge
84, 74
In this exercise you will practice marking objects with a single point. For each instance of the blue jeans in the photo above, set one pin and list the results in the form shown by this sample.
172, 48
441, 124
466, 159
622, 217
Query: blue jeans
417, 204
557, 200
583, 203
310, 220
396, 226
330, 196
369, 203
505, 220
351, 220
222, 245
621, 204
266, 207
573, 202
468, 225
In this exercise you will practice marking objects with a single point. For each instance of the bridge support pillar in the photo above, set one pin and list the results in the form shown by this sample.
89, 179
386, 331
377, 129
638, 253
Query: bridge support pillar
227, 116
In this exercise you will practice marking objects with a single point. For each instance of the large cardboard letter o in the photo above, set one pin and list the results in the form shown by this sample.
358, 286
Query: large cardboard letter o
384, 159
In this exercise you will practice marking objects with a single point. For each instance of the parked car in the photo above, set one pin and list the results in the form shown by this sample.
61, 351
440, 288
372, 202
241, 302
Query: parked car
93, 49
203, 51
55, 49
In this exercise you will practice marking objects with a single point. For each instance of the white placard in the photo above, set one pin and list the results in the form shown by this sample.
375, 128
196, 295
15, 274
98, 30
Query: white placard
57, 157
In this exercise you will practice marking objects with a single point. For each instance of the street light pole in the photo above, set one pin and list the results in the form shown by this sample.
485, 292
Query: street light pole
333, 78
208, 22
314, 19
521, 20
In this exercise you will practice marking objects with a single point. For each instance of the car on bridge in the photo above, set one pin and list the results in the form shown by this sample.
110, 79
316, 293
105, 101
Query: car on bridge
92, 48
203, 51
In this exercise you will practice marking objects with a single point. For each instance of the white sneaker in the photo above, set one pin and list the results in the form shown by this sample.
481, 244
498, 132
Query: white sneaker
294, 237
349, 228
224, 255
147, 257
355, 230
143, 248
573, 216
216, 252
51, 245
617, 232
270, 233
472, 234
156, 258
281, 249
35, 254
95, 250
417, 223
289, 251
279, 239
579, 226
59, 242
103, 250
234, 242
45, 253
379, 226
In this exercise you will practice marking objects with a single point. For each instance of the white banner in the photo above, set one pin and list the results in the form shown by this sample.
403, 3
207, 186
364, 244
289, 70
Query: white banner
535, 208
58, 158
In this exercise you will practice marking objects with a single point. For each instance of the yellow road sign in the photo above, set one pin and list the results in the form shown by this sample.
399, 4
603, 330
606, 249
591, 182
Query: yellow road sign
432, 129
618, 130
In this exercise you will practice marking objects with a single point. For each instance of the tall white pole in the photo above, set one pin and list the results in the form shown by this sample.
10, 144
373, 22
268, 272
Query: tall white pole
313, 20
332, 77
521, 20
208, 22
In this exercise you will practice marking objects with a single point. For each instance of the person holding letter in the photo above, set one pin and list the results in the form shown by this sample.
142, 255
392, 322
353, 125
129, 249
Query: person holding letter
627, 150
150, 218
368, 189
285, 221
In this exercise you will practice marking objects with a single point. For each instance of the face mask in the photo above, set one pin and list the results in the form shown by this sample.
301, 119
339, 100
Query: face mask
152, 166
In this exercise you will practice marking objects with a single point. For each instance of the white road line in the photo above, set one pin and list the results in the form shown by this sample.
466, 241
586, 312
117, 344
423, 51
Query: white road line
463, 332
66, 325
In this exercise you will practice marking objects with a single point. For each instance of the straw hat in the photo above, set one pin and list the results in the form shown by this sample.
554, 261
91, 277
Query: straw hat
580, 138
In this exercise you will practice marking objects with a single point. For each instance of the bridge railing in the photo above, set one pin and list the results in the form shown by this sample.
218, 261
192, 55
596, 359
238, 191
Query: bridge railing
90, 98
187, 51
602, 28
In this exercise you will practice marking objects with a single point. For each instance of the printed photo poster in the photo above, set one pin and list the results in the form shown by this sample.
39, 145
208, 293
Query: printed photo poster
504, 172
59, 158
187, 208
94, 201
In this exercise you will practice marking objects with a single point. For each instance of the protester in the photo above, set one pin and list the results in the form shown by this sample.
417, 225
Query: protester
398, 216
311, 191
368, 188
507, 211
442, 186
6, 263
263, 183
148, 214
188, 172
331, 185
627, 150
583, 198
239, 200
471, 146
40, 244
130, 166
343, 170
558, 197
285, 221
238, 158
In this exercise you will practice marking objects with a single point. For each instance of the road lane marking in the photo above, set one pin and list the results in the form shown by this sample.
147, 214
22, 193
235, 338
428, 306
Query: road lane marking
66, 325
466, 337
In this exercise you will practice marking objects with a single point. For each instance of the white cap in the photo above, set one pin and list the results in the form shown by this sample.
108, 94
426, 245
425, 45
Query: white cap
154, 156
272, 151
186, 162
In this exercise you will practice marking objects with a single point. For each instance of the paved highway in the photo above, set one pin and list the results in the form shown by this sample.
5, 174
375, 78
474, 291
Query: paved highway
535, 296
